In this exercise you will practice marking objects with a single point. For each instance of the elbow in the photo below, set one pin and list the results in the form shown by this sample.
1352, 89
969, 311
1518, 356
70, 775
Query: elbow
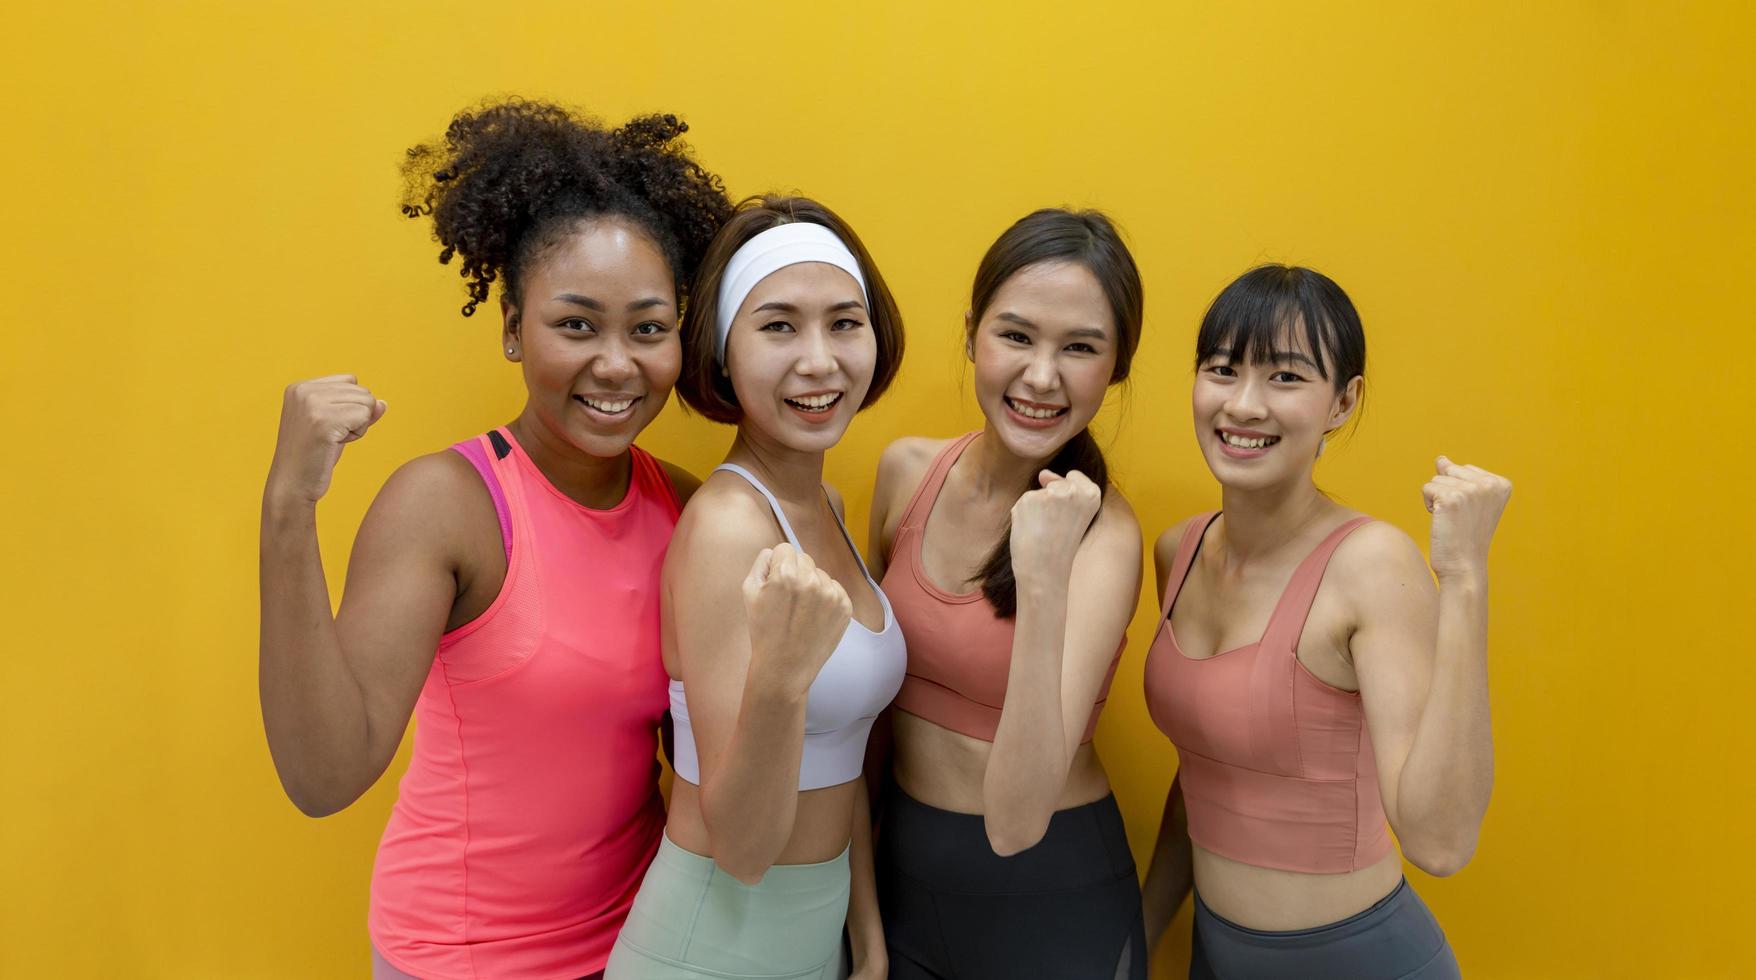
315, 800
1012, 836
1443, 859
748, 872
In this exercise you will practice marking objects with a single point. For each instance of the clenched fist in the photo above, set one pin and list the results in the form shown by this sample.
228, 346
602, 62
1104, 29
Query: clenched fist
796, 613
317, 418
1466, 503
1048, 523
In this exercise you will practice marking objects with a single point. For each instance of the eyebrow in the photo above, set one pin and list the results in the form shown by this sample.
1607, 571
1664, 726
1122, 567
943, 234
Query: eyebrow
1093, 333
592, 304
1274, 357
784, 307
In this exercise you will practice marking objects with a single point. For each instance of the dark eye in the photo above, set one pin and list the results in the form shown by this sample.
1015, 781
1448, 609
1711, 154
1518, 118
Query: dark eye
577, 324
778, 326
649, 329
1015, 336
1285, 377
846, 323
1220, 370
1082, 348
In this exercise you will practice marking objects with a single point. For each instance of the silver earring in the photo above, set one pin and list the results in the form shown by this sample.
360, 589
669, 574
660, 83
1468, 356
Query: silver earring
508, 350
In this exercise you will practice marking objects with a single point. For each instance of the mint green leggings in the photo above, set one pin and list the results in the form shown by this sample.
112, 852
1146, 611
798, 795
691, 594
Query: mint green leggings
692, 921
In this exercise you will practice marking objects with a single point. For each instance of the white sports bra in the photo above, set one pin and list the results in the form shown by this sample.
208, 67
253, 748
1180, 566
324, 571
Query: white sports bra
857, 681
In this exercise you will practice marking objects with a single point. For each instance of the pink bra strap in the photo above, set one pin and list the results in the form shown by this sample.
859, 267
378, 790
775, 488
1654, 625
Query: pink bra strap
1287, 622
921, 504
1185, 560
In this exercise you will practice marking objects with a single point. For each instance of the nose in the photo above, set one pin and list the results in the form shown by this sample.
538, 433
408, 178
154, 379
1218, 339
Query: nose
614, 363
816, 355
1245, 402
1041, 375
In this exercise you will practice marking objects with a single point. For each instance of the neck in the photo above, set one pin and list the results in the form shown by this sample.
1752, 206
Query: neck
998, 471
1259, 521
789, 474
593, 481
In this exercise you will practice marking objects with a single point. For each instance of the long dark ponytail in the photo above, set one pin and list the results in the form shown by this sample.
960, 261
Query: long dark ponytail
1056, 235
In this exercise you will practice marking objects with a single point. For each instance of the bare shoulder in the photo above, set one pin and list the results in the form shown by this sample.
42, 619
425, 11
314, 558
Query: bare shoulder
905, 460
1164, 550
435, 503
1379, 562
683, 481
727, 521
1116, 520
835, 500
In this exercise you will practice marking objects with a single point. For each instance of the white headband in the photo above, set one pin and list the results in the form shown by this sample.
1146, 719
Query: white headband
770, 252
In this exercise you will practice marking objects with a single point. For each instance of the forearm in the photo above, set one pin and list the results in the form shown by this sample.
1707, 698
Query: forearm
1445, 783
1171, 874
865, 927
1027, 767
752, 796
313, 710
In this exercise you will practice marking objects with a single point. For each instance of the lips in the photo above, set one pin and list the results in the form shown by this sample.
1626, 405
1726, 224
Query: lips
1033, 415
1245, 444
611, 409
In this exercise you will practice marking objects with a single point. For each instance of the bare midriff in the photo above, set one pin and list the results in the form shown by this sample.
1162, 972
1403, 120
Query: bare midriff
822, 824
945, 769
1275, 900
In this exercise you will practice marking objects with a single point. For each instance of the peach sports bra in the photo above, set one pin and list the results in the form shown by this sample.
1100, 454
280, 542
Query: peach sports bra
1276, 765
959, 650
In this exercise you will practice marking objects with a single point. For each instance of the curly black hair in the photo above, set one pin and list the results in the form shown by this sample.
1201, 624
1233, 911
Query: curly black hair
510, 178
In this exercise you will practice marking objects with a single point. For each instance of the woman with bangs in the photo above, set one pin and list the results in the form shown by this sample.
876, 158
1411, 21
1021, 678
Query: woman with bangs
781, 647
503, 592
1319, 689
1014, 567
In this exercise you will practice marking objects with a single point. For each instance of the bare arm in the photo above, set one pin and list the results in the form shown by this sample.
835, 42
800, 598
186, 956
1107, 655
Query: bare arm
865, 928
337, 690
1171, 874
748, 649
1423, 668
1072, 615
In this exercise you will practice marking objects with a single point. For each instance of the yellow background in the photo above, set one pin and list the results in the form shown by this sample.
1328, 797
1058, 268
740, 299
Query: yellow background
1543, 211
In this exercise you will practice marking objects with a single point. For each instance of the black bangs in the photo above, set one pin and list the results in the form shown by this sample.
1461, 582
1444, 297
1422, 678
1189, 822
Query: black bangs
1255, 317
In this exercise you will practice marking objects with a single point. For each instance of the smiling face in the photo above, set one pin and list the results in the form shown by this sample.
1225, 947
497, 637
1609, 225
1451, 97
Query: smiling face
801, 352
596, 332
1044, 351
1260, 421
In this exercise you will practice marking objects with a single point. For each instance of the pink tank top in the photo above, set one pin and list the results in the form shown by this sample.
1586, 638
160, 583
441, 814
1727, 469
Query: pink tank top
530, 808
1276, 766
959, 650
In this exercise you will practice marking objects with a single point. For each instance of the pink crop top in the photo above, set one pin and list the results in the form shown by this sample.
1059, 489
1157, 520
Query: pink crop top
959, 651
531, 807
1276, 766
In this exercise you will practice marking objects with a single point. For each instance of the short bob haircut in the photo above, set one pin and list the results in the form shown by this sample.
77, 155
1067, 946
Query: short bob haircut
707, 389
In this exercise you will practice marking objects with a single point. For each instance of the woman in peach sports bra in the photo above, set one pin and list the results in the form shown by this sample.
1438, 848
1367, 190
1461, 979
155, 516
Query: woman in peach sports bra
1014, 569
503, 592
1320, 691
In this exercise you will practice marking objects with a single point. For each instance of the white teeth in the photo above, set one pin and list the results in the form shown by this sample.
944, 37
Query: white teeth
815, 401
1033, 413
1241, 442
609, 408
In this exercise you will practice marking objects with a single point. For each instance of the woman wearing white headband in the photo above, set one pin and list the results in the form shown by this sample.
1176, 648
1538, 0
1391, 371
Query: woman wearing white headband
781, 646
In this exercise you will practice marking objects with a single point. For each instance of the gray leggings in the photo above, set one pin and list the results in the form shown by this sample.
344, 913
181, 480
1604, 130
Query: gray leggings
1396, 939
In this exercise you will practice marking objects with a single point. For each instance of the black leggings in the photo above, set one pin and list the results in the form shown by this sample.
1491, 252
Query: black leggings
1396, 939
1068, 908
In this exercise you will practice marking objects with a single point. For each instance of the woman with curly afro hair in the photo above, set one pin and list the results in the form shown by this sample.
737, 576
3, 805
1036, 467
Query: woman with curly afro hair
503, 591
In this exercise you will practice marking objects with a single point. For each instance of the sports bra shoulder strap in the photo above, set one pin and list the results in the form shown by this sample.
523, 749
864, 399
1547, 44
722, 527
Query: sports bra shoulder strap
773, 504
1287, 621
1186, 548
921, 504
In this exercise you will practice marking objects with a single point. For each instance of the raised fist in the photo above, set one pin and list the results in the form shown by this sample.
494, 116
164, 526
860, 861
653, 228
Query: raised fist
1466, 503
1048, 523
796, 613
317, 418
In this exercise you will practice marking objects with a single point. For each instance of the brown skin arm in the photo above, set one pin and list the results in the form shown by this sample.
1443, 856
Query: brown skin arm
1171, 874
337, 690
